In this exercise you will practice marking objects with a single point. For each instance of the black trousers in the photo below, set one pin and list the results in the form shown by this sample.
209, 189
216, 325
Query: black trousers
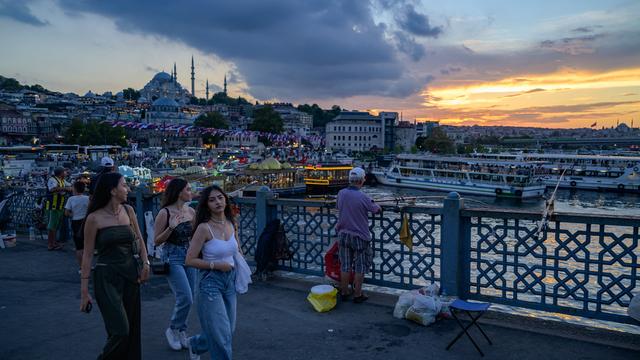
119, 301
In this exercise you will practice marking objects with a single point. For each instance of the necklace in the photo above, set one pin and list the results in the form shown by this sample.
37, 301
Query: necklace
216, 221
116, 213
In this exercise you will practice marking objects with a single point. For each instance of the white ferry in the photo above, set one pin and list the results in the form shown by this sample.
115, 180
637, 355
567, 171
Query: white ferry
585, 172
464, 175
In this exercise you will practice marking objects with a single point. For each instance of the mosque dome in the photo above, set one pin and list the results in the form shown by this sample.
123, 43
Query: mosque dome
163, 101
162, 76
89, 94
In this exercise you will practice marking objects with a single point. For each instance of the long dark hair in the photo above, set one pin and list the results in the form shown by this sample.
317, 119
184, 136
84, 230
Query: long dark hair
102, 193
172, 193
203, 214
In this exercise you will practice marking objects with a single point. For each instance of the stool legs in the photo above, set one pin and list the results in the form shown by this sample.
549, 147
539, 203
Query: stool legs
465, 328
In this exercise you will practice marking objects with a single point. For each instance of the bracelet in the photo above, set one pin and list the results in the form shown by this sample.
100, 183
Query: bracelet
211, 265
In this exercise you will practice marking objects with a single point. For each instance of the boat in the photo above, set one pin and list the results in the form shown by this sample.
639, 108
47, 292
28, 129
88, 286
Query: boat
464, 175
583, 172
323, 178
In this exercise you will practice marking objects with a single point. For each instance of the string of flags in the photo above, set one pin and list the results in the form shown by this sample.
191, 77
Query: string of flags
183, 130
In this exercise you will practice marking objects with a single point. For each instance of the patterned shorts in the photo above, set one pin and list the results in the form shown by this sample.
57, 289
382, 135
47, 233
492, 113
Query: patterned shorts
355, 254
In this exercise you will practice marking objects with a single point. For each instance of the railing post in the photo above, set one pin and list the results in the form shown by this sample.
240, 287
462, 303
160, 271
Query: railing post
264, 213
451, 267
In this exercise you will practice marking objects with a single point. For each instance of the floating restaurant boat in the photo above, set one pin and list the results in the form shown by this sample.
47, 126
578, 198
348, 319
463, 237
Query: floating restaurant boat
325, 178
464, 175
584, 172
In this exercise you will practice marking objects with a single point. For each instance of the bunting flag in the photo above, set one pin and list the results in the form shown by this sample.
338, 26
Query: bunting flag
594, 124
405, 233
185, 130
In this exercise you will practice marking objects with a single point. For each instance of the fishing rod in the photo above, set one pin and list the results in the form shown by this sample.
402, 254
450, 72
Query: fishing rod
548, 209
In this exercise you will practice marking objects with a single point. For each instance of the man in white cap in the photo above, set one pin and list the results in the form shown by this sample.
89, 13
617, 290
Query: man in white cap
354, 237
107, 166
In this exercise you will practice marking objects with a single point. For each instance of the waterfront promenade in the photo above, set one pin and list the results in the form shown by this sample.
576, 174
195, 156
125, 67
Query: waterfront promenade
39, 319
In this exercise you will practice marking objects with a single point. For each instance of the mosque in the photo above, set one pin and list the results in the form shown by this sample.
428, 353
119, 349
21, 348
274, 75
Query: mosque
164, 85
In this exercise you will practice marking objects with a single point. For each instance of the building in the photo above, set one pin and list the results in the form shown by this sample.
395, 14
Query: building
293, 120
164, 85
354, 131
405, 136
165, 111
423, 129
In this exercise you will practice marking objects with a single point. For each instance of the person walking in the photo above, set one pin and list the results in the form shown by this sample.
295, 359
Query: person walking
354, 237
213, 247
112, 230
107, 165
173, 227
76, 208
58, 190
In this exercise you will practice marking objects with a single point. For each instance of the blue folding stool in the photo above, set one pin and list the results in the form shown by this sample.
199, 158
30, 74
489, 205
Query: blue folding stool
469, 308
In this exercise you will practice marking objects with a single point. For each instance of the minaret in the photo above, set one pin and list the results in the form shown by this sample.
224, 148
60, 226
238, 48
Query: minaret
225, 84
175, 74
207, 89
193, 78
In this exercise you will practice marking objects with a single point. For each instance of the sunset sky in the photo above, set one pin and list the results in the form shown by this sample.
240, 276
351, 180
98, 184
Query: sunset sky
561, 63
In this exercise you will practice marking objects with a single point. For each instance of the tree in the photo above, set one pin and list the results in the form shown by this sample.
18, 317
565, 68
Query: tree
212, 120
438, 142
94, 133
268, 120
320, 117
131, 94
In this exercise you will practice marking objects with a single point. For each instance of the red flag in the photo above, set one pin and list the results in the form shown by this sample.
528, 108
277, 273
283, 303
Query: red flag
594, 124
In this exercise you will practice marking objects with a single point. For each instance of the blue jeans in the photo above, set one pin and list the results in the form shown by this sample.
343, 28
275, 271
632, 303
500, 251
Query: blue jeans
217, 312
183, 282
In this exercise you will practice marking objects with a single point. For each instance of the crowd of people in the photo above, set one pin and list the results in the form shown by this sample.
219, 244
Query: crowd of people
200, 246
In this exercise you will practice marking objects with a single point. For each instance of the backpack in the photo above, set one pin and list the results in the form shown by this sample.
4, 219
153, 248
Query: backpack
282, 250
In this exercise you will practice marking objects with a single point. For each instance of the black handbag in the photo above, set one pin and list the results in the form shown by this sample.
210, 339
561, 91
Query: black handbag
159, 266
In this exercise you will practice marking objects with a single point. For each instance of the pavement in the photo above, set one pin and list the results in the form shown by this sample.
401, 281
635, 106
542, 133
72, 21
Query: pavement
39, 319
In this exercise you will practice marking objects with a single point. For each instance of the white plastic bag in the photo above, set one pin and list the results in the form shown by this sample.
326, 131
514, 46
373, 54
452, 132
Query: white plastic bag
243, 273
404, 303
634, 307
431, 290
421, 316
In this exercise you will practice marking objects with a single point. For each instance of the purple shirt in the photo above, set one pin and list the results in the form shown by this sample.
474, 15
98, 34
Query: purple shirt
354, 206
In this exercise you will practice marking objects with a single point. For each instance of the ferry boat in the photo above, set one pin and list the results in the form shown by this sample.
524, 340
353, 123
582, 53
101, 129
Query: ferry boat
323, 178
584, 172
463, 175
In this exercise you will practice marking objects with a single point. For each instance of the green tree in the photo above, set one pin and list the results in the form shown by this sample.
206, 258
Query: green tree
438, 142
211, 120
268, 120
320, 117
131, 94
94, 133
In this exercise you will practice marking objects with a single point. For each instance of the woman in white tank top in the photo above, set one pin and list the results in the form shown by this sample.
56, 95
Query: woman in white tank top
211, 250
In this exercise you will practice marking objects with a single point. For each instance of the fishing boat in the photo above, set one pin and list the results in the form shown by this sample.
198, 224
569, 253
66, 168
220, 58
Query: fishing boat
323, 178
584, 172
464, 175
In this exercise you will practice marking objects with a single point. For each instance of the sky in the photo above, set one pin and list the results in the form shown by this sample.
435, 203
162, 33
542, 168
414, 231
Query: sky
555, 64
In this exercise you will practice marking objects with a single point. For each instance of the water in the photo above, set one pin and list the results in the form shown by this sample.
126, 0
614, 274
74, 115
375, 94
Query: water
566, 201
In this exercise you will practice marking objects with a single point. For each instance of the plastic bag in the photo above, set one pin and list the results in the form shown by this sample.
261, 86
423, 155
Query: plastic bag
323, 302
404, 303
243, 273
421, 316
634, 307
431, 290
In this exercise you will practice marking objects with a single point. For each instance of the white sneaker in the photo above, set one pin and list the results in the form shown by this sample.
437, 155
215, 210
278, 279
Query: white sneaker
173, 339
184, 341
192, 355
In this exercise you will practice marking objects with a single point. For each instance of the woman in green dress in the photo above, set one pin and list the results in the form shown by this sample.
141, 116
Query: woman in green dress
112, 230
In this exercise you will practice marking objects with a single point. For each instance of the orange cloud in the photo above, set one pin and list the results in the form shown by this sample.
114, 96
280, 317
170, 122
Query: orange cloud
566, 98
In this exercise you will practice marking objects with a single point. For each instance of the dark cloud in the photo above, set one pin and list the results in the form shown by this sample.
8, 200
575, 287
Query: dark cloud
417, 24
573, 45
408, 45
151, 69
19, 11
450, 70
282, 48
586, 29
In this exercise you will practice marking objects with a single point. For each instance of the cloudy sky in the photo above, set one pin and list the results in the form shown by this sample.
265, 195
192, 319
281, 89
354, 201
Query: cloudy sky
558, 63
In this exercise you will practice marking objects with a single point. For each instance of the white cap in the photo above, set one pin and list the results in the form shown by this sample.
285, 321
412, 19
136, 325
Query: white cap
106, 161
356, 174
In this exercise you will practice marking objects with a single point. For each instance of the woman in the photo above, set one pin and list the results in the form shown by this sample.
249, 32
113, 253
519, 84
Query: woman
212, 249
111, 229
173, 228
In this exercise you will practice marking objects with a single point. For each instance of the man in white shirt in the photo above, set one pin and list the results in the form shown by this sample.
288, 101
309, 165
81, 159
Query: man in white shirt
76, 208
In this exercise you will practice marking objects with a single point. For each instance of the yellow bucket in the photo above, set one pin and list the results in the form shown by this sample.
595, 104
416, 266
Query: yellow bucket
323, 297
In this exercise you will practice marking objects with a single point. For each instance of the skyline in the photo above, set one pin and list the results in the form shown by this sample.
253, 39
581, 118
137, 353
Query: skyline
546, 64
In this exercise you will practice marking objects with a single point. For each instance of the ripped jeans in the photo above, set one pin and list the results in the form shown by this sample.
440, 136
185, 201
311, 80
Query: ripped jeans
217, 312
